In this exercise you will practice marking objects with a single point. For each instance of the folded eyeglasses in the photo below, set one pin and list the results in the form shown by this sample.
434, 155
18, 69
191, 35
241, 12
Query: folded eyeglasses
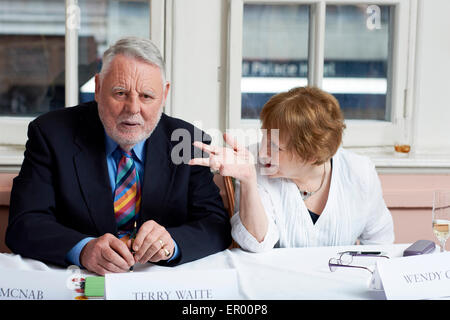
346, 258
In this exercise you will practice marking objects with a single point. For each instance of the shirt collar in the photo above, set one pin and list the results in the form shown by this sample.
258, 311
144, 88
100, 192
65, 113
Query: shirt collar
138, 150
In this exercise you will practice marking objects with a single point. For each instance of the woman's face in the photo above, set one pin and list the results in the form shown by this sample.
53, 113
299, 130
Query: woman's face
277, 161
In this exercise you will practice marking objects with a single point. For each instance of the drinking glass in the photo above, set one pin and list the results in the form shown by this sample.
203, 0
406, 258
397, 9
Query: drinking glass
441, 216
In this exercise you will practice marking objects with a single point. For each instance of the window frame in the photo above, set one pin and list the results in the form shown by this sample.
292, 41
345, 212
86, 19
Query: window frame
13, 133
359, 133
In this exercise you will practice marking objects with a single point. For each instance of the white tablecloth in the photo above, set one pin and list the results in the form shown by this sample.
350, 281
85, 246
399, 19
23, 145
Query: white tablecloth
297, 273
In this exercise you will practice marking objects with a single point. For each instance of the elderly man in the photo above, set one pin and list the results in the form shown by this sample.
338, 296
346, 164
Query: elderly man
95, 173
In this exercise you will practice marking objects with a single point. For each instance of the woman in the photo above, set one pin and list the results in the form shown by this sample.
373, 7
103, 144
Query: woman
305, 190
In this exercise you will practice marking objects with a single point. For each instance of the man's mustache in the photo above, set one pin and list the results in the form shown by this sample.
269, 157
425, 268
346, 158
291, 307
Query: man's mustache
131, 119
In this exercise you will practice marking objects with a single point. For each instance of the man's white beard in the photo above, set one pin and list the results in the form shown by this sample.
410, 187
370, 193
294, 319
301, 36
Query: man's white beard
124, 142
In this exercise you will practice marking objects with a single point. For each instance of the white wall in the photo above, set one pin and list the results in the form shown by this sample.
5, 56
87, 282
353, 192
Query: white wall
432, 110
199, 49
200, 46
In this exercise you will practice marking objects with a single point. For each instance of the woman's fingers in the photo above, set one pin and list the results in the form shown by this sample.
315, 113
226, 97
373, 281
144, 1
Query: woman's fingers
234, 160
232, 142
206, 147
199, 162
213, 162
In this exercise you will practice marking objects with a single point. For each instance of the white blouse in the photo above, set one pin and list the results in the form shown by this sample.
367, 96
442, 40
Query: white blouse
355, 210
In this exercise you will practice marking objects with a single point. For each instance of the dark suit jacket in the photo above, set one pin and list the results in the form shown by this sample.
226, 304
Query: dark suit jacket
62, 193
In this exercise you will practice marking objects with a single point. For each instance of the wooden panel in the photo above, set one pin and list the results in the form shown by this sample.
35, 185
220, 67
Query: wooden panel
411, 225
6, 180
409, 198
3, 225
412, 191
5, 192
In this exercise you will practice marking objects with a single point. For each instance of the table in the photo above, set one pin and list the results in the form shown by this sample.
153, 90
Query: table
284, 273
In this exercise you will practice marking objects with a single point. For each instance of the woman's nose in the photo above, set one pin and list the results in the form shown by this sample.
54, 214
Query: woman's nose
264, 153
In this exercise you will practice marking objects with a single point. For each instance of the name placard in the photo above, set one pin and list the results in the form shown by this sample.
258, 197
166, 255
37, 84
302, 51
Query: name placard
35, 285
415, 277
172, 285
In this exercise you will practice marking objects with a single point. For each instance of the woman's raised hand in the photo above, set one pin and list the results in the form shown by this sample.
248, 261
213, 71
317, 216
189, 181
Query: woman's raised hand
235, 161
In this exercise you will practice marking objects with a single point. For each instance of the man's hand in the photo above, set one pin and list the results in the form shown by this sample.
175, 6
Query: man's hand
106, 254
153, 243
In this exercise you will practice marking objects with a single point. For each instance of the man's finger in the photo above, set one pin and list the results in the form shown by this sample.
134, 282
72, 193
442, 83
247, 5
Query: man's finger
122, 250
151, 245
158, 256
108, 267
144, 248
112, 261
142, 233
169, 245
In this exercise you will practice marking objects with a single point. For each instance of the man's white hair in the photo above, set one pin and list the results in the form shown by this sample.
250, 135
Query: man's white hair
134, 47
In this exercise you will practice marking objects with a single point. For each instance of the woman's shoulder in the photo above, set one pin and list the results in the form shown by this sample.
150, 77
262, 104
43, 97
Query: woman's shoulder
354, 167
349, 160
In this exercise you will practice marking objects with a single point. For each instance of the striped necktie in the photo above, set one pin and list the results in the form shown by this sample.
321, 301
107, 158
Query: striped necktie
127, 195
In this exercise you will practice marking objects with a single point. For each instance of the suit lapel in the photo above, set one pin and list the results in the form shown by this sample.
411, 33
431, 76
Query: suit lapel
92, 171
158, 174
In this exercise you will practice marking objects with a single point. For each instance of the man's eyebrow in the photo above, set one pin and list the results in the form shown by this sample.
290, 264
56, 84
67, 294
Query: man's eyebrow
119, 89
148, 92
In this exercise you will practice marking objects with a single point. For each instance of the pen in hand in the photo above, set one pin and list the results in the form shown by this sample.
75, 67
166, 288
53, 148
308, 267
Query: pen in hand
132, 237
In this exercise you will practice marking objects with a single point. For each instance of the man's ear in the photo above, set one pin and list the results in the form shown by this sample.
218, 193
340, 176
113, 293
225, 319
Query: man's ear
97, 86
166, 90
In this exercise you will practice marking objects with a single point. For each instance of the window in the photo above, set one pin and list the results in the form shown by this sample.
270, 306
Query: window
101, 25
50, 51
356, 50
357, 59
274, 53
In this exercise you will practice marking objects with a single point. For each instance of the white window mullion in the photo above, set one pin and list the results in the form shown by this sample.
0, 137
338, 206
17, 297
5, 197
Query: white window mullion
71, 52
161, 12
234, 64
157, 17
316, 44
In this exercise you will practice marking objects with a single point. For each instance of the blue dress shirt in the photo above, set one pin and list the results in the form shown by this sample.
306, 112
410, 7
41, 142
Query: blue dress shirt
113, 156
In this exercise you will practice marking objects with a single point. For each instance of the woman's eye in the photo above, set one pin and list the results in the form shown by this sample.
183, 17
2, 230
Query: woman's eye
273, 146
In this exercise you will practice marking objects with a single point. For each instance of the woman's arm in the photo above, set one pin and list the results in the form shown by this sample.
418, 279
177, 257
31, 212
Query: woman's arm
251, 210
379, 227
239, 163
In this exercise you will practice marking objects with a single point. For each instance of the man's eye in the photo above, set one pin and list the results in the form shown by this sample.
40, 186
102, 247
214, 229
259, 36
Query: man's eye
120, 94
146, 96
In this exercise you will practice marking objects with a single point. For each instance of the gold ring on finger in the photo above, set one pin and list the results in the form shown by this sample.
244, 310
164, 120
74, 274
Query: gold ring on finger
166, 252
161, 242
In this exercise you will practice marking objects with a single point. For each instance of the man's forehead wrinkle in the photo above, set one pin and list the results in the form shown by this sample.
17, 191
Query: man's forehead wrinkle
133, 76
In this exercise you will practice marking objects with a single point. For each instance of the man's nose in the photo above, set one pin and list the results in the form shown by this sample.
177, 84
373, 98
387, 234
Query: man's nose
133, 105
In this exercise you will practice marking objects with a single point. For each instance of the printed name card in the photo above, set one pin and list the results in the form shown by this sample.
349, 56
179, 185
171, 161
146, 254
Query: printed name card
415, 277
172, 285
35, 285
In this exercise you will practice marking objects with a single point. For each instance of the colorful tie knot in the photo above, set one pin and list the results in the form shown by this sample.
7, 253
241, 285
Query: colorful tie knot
126, 153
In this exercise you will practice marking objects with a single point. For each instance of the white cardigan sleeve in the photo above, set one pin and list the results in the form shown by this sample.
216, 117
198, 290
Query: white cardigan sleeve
379, 228
241, 235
